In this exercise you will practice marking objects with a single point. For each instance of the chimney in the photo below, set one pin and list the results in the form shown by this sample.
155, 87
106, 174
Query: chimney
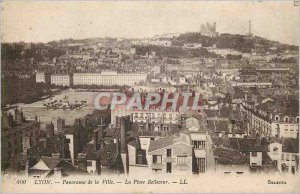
100, 136
147, 121
258, 141
123, 135
124, 151
10, 120
60, 124
27, 168
16, 112
19, 115
50, 130
118, 144
82, 162
96, 146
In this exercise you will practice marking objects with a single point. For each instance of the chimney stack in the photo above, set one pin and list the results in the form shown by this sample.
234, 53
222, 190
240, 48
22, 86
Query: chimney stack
258, 141
50, 130
123, 135
96, 146
100, 136
19, 115
124, 151
10, 120
82, 162
60, 124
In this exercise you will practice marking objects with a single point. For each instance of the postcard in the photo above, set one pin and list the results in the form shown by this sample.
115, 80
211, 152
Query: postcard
149, 96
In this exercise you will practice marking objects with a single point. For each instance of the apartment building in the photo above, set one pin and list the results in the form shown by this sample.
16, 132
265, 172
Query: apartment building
285, 154
274, 119
152, 115
172, 154
108, 78
60, 79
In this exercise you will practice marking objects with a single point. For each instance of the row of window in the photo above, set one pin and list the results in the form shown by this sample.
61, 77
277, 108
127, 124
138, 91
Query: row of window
286, 119
198, 144
154, 116
181, 160
287, 157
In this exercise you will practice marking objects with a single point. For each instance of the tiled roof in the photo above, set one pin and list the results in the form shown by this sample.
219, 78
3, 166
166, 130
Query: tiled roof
50, 163
227, 156
246, 145
169, 140
108, 154
218, 125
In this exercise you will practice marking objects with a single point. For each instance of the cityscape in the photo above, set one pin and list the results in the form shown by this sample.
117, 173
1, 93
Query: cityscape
245, 88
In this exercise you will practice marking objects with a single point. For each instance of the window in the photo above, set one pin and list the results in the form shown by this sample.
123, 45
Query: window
201, 163
169, 152
287, 157
276, 118
254, 164
275, 162
165, 128
293, 157
199, 144
254, 154
297, 119
293, 170
181, 160
157, 159
286, 119
275, 149
282, 156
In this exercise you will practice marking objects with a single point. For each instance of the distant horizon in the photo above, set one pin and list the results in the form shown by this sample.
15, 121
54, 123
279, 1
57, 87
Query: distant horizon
138, 38
45, 21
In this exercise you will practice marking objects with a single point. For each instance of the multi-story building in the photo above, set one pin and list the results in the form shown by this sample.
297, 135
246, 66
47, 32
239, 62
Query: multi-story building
60, 79
172, 154
199, 142
285, 154
187, 152
108, 78
273, 119
153, 115
42, 77
17, 135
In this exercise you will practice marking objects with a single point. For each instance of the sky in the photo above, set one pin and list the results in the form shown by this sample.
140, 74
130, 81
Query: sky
43, 21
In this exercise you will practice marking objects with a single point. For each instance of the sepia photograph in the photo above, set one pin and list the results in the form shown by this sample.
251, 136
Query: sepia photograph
149, 96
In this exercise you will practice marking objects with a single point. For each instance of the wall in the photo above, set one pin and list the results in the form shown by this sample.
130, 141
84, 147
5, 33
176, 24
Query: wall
256, 159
